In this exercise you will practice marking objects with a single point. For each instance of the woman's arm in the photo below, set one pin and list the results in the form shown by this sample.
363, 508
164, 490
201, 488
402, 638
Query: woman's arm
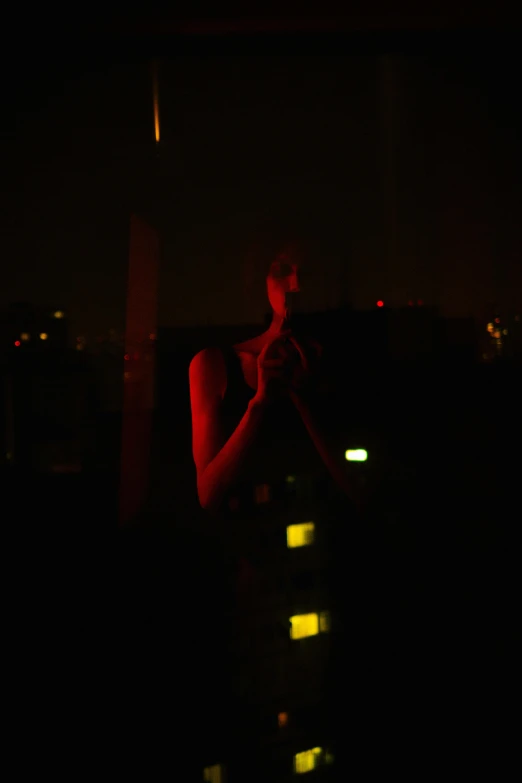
218, 463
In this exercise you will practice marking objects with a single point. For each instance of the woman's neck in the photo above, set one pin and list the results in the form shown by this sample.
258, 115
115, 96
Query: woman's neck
279, 324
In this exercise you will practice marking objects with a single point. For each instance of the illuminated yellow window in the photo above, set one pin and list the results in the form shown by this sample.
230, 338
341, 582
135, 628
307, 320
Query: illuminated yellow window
43, 336
324, 622
303, 625
307, 760
282, 719
58, 314
300, 535
25, 336
356, 455
214, 774
290, 479
263, 493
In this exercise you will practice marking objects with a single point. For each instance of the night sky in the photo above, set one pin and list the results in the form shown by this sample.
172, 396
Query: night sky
403, 161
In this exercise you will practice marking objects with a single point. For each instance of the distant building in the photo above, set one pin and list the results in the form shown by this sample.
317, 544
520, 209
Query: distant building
287, 527
282, 651
46, 390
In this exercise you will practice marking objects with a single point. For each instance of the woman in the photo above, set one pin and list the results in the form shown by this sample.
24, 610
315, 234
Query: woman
256, 408
244, 400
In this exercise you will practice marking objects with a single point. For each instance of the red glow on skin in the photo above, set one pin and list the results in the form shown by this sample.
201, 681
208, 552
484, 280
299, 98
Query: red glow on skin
17, 343
281, 280
264, 359
380, 303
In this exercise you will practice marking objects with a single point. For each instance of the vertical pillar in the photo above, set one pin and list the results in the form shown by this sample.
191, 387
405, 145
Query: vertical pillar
139, 368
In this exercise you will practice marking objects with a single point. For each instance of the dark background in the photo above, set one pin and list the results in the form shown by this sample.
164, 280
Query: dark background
397, 136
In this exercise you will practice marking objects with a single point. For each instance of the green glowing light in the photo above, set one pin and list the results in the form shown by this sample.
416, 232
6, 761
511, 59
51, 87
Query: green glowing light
356, 455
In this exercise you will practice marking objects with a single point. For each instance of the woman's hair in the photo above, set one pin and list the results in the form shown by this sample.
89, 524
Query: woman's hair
270, 240
319, 245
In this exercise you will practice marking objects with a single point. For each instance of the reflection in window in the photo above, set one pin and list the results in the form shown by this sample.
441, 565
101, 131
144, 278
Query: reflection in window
300, 535
263, 493
214, 774
303, 625
307, 760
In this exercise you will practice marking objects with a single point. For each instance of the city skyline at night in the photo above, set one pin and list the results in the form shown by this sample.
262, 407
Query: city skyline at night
405, 165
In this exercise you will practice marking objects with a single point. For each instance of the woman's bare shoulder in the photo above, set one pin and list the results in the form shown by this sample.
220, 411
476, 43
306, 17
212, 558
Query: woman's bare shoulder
208, 369
208, 357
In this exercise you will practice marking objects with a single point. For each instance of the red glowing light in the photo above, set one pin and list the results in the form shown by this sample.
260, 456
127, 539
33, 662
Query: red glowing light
420, 302
410, 303
497, 320
126, 357
380, 303
17, 343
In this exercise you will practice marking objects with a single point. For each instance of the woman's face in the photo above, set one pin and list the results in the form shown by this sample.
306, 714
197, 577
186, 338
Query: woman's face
282, 280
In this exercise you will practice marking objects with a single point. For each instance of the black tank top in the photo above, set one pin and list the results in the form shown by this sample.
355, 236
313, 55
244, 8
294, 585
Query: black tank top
282, 451
283, 446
